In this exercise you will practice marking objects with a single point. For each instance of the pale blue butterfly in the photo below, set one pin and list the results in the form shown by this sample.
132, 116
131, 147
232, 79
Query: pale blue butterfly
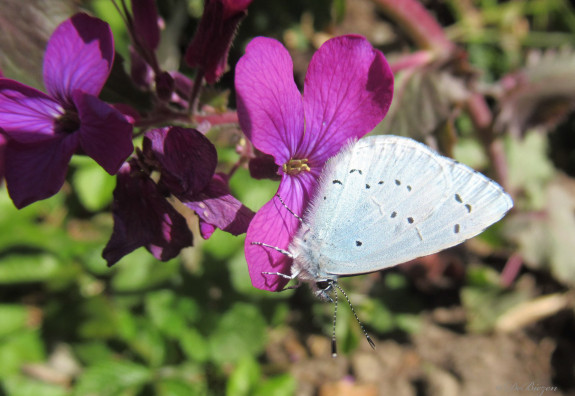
385, 200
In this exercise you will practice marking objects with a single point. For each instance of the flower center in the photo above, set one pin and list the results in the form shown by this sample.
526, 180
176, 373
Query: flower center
296, 166
68, 122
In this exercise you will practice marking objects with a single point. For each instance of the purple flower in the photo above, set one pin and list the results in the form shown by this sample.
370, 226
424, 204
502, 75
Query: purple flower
143, 217
347, 92
211, 43
44, 131
185, 160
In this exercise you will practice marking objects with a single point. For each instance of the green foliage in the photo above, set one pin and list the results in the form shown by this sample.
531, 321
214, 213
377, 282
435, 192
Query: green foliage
92, 184
240, 332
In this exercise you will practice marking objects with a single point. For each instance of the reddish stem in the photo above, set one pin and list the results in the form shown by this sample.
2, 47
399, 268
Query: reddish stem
422, 27
482, 118
410, 61
511, 270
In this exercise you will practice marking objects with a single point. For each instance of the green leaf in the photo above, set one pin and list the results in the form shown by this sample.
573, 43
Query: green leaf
25, 386
377, 315
160, 308
149, 344
176, 387
13, 318
480, 276
93, 352
281, 385
408, 323
484, 305
338, 10
253, 194
26, 268
99, 320
223, 245
92, 183
244, 378
529, 168
112, 377
140, 270
194, 345
241, 332
19, 348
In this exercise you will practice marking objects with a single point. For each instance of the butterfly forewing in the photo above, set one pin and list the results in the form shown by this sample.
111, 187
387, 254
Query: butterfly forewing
386, 200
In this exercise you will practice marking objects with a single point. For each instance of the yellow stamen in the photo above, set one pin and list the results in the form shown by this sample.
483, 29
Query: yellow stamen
296, 166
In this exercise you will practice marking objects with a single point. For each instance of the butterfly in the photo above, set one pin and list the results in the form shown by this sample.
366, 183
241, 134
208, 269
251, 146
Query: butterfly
384, 200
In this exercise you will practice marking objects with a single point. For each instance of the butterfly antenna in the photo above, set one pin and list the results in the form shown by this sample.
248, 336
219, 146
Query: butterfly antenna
289, 210
368, 338
333, 340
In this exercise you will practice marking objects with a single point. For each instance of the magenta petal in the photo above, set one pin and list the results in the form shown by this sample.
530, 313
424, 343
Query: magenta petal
142, 217
79, 56
348, 90
211, 43
36, 171
105, 134
187, 159
270, 108
218, 208
274, 225
26, 114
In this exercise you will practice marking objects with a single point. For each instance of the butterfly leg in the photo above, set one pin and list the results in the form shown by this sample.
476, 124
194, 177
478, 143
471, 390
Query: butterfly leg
288, 209
277, 249
290, 277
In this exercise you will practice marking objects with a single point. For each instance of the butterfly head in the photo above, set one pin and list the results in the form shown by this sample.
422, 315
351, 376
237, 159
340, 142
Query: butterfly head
323, 288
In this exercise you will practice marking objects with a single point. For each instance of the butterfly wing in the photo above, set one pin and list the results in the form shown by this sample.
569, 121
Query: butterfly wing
386, 199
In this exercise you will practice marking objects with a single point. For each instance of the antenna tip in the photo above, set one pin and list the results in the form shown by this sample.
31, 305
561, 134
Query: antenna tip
371, 343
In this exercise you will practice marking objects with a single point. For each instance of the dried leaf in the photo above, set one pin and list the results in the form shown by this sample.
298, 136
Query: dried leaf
26, 27
546, 240
539, 95
422, 104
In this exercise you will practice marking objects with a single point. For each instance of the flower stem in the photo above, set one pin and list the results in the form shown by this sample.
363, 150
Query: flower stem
195, 94
482, 118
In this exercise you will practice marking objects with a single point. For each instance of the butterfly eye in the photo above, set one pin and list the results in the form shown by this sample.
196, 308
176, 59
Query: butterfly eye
323, 285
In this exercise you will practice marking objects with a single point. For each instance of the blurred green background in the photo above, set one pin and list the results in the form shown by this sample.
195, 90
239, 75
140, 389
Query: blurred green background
474, 320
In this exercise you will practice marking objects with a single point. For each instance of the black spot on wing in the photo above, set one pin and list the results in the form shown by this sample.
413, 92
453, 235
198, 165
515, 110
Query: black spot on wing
408, 188
367, 186
358, 243
337, 182
410, 220
456, 228
460, 200
380, 182
397, 182
356, 170
393, 215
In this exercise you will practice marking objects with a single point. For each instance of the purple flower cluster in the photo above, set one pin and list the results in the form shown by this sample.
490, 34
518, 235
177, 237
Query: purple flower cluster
348, 90
43, 131
143, 216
